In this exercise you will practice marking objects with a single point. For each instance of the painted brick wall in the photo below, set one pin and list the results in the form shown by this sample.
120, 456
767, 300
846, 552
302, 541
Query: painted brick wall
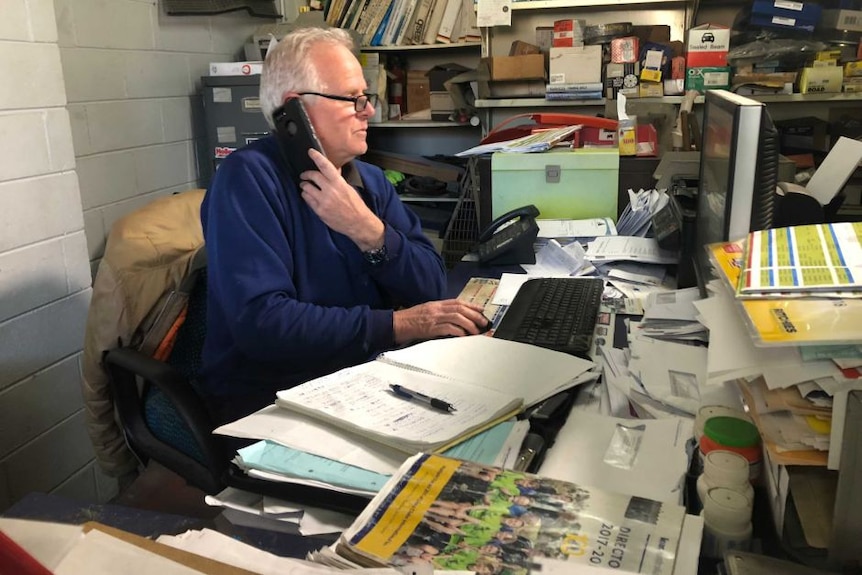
132, 80
96, 118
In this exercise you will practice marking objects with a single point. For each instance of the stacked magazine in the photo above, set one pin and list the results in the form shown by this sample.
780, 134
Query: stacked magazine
457, 515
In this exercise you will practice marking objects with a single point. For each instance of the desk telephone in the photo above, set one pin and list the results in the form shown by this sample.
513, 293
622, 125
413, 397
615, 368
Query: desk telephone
509, 239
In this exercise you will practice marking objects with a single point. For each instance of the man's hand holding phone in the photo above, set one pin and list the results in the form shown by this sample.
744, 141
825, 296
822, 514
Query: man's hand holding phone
338, 203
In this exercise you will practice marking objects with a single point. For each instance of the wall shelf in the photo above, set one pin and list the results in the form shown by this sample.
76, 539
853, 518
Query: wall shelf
412, 47
448, 198
418, 124
535, 103
551, 4
770, 98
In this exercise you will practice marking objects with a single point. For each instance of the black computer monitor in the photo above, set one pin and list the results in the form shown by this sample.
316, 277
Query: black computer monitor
738, 173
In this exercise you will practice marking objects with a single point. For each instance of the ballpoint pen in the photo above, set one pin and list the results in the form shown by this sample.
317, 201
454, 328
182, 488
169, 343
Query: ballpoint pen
405, 393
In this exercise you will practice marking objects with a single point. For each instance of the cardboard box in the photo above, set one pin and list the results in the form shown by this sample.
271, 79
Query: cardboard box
651, 89
707, 46
519, 48
706, 60
622, 79
526, 67
674, 87
655, 59
677, 68
512, 89
544, 38
440, 100
804, 11
418, 91
707, 78
442, 106
850, 20
575, 65
625, 50
782, 22
820, 80
807, 133
570, 184
652, 33
568, 33
438, 75
235, 68
853, 69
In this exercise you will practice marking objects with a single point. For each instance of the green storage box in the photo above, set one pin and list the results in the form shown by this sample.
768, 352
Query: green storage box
563, 183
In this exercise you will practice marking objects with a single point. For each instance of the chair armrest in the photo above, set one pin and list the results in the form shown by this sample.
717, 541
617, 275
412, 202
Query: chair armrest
125, 366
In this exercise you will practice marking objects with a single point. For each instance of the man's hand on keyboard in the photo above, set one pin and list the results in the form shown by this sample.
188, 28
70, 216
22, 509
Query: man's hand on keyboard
434, 319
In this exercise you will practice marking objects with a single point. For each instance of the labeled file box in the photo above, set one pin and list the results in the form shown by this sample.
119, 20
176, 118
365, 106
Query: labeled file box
568, 184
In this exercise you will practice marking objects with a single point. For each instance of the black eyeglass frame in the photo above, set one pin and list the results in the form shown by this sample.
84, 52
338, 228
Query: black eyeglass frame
364, 99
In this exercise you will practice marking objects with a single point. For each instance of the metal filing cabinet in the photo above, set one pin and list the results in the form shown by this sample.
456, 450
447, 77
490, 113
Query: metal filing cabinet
232, 116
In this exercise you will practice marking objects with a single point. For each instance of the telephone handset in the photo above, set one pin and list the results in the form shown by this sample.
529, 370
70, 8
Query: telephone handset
296, 135
509, 239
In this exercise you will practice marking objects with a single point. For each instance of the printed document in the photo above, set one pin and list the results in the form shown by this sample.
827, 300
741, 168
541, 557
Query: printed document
612, 248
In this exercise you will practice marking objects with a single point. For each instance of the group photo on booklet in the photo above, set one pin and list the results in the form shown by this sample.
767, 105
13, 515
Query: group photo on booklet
458, 515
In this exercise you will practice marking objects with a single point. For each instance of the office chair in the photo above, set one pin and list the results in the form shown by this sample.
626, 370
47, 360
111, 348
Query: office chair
160, 410
164, 418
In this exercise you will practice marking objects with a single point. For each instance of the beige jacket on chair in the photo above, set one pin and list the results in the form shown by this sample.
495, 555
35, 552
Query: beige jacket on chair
147, 255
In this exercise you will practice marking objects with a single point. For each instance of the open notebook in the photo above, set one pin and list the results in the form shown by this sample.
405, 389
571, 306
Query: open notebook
484, 379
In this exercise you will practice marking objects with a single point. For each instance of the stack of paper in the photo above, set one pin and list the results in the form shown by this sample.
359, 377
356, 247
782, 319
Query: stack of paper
540, 141
778, 328
95, 549
812, 260
636, 219
794, 429
352, 423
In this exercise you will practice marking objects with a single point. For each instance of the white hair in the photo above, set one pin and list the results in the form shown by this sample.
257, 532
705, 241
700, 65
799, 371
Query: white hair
288, 68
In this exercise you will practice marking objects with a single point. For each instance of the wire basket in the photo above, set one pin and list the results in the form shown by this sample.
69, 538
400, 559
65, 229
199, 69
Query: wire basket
462, 232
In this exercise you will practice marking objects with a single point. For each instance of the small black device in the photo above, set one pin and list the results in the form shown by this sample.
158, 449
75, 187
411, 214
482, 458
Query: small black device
555, 313
296, 135
509, 239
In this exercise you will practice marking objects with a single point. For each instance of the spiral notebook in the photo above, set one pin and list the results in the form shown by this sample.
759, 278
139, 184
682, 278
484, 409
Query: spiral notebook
484, 379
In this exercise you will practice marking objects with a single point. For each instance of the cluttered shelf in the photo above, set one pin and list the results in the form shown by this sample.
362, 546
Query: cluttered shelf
767, 98
550, 4
448, 198
411, 47
417, 124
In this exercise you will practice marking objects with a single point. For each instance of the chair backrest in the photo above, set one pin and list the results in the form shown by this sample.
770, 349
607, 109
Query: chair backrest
160, 413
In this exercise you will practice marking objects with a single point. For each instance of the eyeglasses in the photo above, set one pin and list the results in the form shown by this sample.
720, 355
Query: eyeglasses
359, 102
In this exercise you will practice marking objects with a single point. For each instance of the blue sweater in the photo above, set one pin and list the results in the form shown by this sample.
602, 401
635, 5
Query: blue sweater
288, 298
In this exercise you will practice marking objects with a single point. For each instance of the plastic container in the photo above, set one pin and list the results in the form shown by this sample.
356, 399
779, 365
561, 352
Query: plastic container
705, 413
725, 469
726, 522
736, 435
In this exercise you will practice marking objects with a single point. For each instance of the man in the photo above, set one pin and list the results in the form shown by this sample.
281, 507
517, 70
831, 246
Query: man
304, 276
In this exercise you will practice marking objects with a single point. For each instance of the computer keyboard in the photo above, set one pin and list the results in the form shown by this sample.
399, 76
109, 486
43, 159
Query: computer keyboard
555, 313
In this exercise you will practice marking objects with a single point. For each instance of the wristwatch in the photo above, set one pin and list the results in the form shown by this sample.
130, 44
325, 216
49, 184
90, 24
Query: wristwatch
376, 256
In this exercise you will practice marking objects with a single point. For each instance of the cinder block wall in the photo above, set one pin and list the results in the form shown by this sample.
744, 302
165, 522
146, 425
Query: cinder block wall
132, 81
96, 117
